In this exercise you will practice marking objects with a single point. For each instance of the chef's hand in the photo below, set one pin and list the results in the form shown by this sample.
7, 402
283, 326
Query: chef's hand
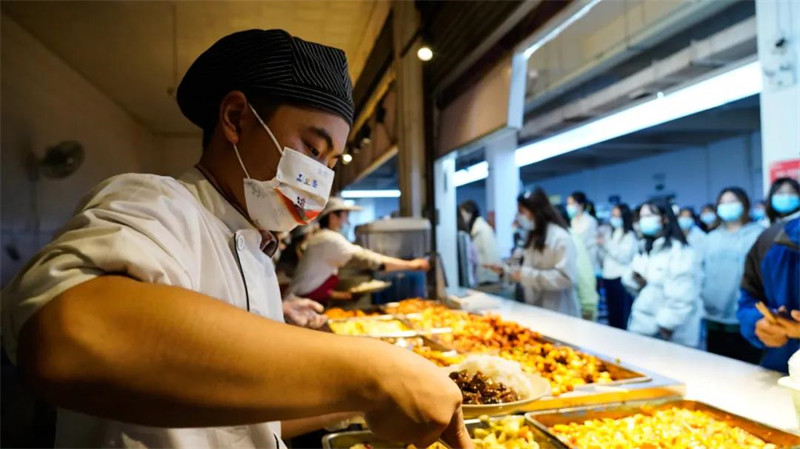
304, 312
415, 402
420, 264
791, 328
601, 240
665, 333
516, 275
773, 335
494, 267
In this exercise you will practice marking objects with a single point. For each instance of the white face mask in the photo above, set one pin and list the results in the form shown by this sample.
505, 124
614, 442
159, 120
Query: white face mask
295, 196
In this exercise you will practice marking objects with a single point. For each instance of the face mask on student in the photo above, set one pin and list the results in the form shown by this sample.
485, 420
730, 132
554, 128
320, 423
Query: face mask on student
729, 212
650, 225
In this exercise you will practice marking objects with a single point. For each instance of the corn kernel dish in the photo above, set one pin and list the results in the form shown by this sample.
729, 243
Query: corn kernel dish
672, 428
510, 432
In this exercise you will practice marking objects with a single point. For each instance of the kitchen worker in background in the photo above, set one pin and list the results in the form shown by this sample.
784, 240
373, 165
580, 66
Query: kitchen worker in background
483, 240
549, 273
583, 223
708, 218
723, 257
328, 250
667, 304
617, 253
772, 276
783, 199
154, 318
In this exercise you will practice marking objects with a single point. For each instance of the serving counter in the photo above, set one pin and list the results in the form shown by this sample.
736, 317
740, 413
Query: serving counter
737, 387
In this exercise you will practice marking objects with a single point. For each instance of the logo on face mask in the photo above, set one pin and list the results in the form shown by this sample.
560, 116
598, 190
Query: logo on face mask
307, 181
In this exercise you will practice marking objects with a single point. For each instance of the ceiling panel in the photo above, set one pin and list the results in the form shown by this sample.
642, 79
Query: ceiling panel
136, 52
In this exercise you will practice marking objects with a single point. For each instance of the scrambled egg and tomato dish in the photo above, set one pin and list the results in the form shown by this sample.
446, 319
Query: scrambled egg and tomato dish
673, 428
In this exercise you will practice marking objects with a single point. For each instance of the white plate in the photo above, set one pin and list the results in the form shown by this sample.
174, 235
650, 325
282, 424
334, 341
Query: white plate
369, 287
541, 387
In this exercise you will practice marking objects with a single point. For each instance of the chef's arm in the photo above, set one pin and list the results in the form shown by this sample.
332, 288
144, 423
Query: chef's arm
377, 261
170, 357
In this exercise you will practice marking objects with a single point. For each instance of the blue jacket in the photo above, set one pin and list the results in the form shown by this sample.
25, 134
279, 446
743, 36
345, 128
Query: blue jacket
772, 275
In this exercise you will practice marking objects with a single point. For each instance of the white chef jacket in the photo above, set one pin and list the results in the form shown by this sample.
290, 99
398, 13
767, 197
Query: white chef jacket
161, 230
327, 251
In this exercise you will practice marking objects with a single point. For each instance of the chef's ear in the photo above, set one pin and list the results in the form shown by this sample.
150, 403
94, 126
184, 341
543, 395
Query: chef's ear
231, 113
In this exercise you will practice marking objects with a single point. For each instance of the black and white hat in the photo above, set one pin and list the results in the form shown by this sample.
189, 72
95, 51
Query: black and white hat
268, 63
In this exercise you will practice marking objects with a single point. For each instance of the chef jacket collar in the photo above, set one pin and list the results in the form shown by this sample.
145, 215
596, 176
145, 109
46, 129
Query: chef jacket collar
212, 199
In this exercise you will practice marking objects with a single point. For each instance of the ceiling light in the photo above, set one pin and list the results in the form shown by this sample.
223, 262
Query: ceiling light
471, 174
714, 91
347, 158
425, 53
389, 193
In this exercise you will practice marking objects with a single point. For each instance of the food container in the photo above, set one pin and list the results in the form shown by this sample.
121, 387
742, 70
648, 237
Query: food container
386, 326
546, 419
346, 440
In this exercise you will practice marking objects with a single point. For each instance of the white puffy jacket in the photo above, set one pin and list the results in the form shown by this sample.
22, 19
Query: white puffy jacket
549, 277
670, 299
485, 243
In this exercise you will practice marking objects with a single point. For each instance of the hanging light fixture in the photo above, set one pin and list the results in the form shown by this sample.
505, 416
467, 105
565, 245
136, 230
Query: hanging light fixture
425, 53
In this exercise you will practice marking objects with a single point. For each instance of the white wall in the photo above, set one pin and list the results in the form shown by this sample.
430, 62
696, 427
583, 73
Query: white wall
694, 175
44, 101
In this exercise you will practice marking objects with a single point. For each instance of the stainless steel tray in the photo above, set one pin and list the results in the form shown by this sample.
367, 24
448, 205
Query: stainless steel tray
622, 373
401, 334
544, 420
346, 440
412, 342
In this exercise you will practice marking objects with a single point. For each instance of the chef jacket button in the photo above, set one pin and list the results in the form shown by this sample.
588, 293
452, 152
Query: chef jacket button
240, 242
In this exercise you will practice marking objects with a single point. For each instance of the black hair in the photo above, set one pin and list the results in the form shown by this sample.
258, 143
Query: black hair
670, 231
324, 221
773, 189
472, 208
265, 108
627, 217
579, 198
741, 195
543, 214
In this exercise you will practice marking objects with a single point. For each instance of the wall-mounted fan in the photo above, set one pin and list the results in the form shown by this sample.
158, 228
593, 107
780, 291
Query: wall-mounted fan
58, 162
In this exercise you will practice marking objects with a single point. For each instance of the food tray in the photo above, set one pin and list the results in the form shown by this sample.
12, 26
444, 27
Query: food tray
622, 373
420, 341
411, 332
345, 440
543, 420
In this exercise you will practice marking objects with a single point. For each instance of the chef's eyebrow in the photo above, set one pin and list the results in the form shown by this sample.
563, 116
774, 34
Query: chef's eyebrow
324, 134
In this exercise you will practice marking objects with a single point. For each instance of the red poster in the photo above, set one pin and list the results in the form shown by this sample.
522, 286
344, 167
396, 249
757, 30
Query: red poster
789, 168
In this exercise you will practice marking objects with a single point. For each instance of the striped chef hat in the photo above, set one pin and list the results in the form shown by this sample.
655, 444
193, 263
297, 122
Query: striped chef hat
271, 64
